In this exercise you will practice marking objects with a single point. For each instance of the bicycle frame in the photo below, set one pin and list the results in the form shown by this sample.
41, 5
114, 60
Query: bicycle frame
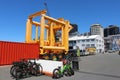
65, 67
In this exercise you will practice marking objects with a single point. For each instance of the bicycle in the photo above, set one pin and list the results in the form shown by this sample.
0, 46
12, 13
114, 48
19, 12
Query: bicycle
25, 68
37, 69
66, 70
18, 70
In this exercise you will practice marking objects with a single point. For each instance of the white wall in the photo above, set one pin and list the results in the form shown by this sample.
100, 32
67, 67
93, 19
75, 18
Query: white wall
97, 41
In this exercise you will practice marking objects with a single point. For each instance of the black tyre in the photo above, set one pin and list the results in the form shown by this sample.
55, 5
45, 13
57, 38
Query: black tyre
40, 70
37, 70
18, 74
67, 72
34, 69
56, 73
24, 73
72, 71
11, 70
30, 68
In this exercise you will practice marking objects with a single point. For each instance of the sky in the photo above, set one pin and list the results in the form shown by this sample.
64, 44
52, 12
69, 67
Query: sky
84, 13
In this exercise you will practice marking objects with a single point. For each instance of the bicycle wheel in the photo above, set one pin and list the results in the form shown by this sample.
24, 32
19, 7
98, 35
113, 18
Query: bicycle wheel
40, 69
56, 73
33, 69
11, 70
30, 68
72, 71
66, 72
24, 73
16, 72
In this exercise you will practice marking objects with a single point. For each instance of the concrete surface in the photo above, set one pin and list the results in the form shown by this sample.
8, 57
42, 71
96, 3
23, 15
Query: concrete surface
94, 67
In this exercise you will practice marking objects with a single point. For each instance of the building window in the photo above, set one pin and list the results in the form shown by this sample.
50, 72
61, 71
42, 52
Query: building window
83, 44
83, 40
78, 41
92, 45
92, 39
87, 40
87, 45
99, 45
72, 43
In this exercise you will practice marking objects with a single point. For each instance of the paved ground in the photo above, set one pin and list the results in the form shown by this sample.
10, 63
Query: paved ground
95, 67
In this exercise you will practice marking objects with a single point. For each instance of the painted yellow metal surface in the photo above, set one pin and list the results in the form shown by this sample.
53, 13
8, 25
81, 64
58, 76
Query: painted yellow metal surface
46, 33
91, 50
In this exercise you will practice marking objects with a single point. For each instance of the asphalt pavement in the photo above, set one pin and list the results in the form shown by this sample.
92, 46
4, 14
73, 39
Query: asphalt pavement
95, 67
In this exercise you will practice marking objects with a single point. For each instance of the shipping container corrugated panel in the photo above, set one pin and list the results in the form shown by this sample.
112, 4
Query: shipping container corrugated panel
14, 51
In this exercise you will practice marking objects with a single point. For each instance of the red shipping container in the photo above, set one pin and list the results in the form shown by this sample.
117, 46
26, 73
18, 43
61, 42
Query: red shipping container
14, 51
0, 51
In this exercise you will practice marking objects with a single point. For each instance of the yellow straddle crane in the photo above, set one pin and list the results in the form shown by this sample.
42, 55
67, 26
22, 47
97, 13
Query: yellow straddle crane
48, 43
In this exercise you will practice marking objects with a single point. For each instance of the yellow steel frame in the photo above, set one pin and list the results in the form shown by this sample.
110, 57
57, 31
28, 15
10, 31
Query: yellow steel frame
52, 26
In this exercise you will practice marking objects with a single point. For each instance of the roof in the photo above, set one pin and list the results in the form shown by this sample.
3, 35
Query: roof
83, 37
95, 25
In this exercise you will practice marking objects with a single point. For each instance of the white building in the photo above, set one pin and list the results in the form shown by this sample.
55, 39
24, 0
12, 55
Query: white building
96, 29
87, 41
112, 42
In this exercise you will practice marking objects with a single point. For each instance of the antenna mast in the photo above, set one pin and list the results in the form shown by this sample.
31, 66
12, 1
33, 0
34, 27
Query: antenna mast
46, 7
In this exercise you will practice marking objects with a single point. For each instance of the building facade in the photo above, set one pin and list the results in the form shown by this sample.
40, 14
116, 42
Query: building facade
87, 41
96, 29
74, 29
111, 30
112, 42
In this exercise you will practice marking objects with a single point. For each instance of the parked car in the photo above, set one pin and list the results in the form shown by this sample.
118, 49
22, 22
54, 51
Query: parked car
110, 51
83, 53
